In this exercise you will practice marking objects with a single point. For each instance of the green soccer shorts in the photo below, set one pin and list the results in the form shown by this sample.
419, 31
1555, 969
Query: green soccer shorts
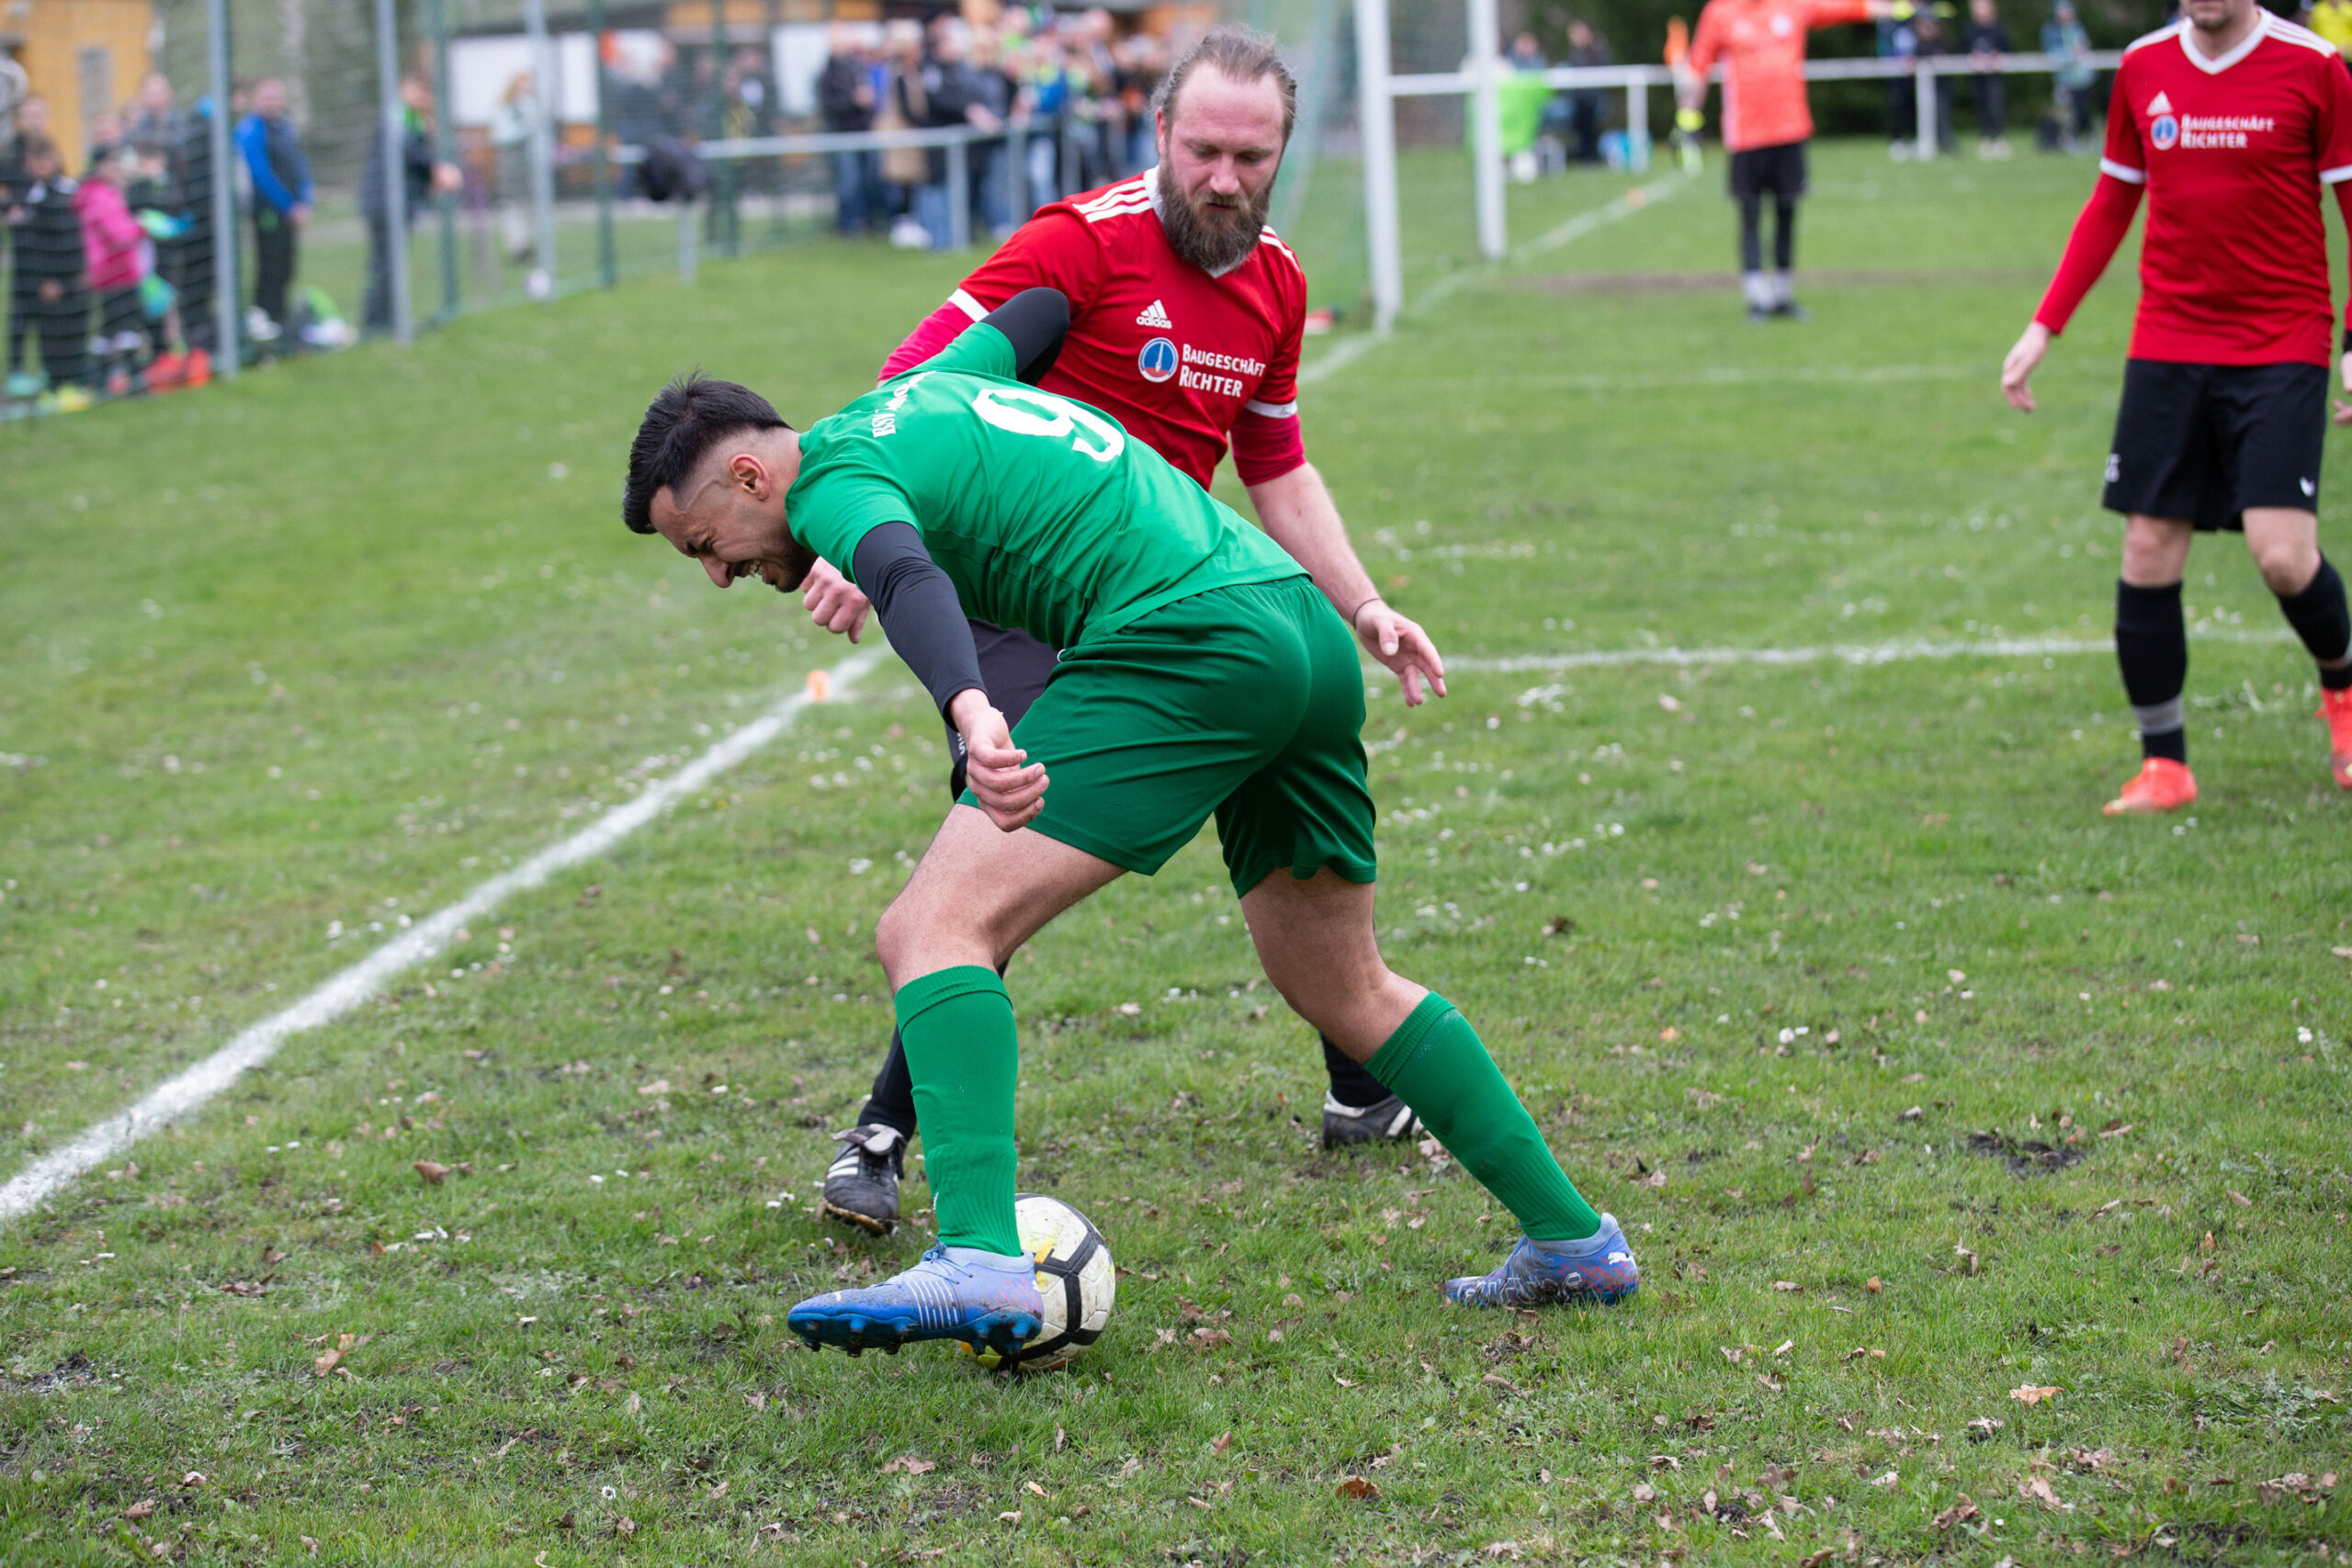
1245, 702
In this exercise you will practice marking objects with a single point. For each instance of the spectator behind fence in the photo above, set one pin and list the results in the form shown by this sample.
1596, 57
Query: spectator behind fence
511, 120
272, 152
1588, 51
117, 258
1988, 41
48, 259
993, 90
421, 177
956, 97
30, 123
847, 95
902, 106
2070, 84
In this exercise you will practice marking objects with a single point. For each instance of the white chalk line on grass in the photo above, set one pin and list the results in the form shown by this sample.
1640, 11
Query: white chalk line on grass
1895, 652
1345, 353
184, 1091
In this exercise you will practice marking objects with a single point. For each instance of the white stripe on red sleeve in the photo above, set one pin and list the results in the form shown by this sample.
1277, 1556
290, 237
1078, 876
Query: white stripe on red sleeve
963, 300
1290, 410
2132, 177
2335, 177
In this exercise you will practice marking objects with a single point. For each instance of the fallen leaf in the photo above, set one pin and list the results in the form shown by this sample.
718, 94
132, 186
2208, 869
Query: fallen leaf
1873, 1285
1784, 1346
1033, 1487
658, 1085
310, 1545
1786, 1285
907, 1464
1501, 1548
1644, 1493
1210, 1338
432, 1173
2037, 1489
2240, 1199
140, 1509
2030, 1395
1959, 1513
1223, 1442
325, 1363
193, 1478
1357, 1489
624, 1525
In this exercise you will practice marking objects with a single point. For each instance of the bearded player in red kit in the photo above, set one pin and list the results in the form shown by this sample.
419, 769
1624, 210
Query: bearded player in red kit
2232, 121
1186, 318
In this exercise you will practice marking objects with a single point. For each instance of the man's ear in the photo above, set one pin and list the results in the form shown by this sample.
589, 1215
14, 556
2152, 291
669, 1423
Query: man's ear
746, 473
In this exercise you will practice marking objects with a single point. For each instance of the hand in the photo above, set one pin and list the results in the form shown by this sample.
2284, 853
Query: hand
1403, 646
2343, 408
834, 603
448, 178
1011, 794
52, 291
301, 214
2031, 347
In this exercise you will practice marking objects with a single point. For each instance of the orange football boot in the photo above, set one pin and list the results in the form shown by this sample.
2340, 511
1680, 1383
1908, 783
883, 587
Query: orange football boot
2160, 785
2336, 708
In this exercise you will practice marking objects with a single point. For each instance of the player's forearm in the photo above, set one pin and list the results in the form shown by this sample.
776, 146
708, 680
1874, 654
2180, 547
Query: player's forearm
2097, 234
920, 612
1298, 513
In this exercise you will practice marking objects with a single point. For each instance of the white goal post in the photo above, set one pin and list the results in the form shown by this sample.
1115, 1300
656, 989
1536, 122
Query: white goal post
1378, 88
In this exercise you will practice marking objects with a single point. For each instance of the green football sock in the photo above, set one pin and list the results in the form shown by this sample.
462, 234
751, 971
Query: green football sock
965, 1056
1436, 1064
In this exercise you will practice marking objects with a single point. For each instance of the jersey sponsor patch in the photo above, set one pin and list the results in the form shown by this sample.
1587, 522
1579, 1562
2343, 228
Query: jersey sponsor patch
1155, 315
2163, 132
1157, 361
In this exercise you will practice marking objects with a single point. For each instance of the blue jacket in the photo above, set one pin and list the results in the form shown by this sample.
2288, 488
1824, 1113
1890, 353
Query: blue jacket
272, 151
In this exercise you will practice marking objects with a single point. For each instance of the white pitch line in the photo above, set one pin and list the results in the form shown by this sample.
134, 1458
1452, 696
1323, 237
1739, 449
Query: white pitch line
1842, 653
1345, 353
180, 1095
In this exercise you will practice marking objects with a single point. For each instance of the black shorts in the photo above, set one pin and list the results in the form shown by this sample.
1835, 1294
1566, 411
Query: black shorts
2204, 441
1779, 170
1015, 665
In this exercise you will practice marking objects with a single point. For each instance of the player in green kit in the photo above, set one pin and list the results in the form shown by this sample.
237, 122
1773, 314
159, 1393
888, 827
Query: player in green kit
1201, 673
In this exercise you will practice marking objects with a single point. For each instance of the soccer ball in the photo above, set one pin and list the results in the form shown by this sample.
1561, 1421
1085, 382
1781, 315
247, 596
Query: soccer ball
1075, 1276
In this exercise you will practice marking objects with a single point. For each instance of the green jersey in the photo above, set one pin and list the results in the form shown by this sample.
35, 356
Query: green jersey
1042, 511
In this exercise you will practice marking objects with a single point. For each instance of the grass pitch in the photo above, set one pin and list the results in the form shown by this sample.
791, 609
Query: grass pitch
1986, 1158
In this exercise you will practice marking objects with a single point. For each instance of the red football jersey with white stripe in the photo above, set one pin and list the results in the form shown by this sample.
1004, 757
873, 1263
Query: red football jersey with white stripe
1181, 358
2234, 153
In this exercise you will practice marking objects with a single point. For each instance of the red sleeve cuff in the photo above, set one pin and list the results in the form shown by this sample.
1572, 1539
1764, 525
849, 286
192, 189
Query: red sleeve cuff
1266, 448
932, 334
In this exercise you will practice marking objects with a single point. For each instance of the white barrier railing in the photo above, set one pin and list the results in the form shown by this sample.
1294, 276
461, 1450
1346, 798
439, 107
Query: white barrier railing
1377, 91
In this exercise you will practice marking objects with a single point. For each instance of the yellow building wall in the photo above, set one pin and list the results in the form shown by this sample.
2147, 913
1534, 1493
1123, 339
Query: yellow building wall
58, 38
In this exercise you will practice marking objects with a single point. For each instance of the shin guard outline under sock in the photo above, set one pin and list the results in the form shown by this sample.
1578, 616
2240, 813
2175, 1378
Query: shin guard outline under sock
2152, 650
2320, 617
963, 1054
1436, 1064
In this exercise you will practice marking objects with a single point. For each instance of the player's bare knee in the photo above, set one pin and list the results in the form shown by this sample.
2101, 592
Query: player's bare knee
2288, 566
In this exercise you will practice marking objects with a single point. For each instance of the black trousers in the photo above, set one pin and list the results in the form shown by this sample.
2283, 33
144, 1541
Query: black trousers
274, 235
64, 329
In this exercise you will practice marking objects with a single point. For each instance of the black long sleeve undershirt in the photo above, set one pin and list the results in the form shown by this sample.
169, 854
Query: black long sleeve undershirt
919, 610
1035, 321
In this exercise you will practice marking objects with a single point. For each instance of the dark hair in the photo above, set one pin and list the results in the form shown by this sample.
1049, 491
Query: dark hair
692, 414
1239, 54
37, 146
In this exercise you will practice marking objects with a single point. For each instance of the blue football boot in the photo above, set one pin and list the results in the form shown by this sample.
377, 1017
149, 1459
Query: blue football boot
1598, 1270
942, 1297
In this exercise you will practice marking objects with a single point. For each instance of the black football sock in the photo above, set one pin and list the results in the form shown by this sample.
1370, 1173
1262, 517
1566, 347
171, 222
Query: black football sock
2320, 618
1351, 1084
1784, 236
2151, 646
892, 1101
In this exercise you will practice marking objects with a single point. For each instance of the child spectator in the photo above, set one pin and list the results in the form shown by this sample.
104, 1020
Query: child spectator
118, 257
49, 259
32, 124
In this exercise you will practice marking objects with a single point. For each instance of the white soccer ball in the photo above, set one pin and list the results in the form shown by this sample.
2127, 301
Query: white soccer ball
1075, 1276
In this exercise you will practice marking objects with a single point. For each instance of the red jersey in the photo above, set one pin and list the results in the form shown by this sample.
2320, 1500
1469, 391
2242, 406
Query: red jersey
2232, 153
1180, 358
1761, 44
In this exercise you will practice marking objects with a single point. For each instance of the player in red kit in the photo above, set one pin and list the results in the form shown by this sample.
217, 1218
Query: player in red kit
2232, 121
1186, 318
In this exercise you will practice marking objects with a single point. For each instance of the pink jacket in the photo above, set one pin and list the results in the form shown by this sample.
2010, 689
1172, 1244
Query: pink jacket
114, 247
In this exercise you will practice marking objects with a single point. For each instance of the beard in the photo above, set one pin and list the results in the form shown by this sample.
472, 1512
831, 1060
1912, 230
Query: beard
1210, 233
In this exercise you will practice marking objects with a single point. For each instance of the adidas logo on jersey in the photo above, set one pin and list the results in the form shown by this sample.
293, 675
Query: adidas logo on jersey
1156, 315
2160, 105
